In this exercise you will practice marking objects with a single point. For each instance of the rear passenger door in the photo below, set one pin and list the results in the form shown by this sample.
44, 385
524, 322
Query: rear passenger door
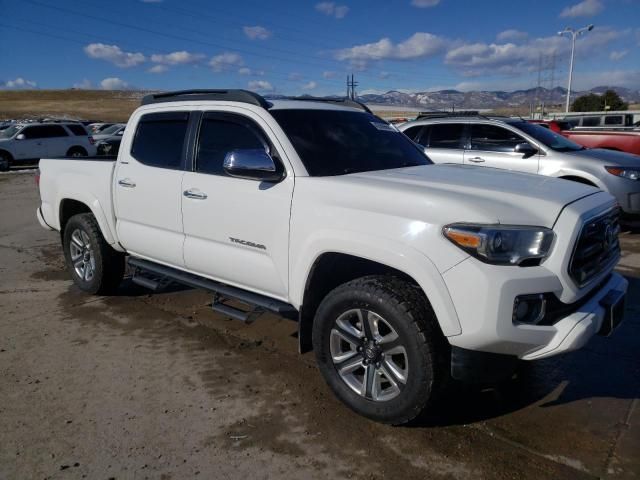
57, 142
236, 230
494, 146
444, 142
147, 187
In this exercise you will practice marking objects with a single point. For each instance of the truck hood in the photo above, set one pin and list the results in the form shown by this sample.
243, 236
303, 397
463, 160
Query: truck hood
608, 157
463, 193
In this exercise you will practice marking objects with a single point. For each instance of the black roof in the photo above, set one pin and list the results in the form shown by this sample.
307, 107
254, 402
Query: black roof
244, 96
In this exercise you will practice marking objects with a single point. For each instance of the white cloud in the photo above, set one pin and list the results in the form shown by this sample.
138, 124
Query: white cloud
85, 84
474, 59
328, 74
261, 85
257, 32
418, 45
586, 8
20, 83
158, 69
181, 57
249, 71
113, 83
332, 9
309, 85
618, 55
511, 35
424, 3
225, 61
114, 54
618, 78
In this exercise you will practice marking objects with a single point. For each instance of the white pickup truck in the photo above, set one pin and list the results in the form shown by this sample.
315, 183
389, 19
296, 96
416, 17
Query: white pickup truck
401, 274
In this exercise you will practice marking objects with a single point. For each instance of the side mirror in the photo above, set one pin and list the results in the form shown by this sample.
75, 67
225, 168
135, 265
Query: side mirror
526, 149
252, 164
121, 132
20, 136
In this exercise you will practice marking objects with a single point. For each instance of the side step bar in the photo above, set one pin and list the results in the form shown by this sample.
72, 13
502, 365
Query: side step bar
255, 300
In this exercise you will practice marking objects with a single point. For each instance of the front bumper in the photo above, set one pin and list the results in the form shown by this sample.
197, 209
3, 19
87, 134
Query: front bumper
484, 297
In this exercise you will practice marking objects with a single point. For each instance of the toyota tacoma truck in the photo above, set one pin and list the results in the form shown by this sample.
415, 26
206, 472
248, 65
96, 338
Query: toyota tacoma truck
400, 273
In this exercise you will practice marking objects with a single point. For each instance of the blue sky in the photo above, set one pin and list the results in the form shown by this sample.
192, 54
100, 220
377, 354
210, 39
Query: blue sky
298, 46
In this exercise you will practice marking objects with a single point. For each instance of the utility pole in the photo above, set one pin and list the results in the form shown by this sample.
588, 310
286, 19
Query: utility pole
351, 87
574, 34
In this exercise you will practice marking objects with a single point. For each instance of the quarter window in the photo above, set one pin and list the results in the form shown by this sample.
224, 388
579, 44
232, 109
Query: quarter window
413, 133
445, 135
591, 121
219, 135
613, 120
493, 139
160, 138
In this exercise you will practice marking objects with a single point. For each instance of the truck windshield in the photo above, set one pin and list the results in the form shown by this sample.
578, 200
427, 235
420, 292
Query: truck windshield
548, 138
337, 142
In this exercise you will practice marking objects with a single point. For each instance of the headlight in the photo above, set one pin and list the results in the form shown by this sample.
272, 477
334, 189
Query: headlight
502, 244
625, 172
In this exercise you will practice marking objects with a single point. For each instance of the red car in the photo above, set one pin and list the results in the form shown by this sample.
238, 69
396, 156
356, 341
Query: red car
620, 140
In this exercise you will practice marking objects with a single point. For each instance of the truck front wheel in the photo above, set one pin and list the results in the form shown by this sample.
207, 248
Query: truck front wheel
95, 267
379, 348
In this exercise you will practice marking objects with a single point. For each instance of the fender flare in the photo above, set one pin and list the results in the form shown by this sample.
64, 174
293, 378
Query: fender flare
96, 209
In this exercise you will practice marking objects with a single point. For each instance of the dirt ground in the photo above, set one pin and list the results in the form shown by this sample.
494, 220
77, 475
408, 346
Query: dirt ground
158, 386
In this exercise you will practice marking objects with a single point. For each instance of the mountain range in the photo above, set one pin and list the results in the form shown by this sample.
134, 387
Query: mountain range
486, 99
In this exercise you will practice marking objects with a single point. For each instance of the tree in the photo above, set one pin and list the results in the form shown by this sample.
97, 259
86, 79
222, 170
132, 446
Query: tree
612, 100
597, 103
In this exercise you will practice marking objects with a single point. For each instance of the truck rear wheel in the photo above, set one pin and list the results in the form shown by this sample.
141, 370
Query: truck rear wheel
95, 267
379, 348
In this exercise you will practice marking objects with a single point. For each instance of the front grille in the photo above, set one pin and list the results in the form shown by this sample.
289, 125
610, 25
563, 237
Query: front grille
597, 248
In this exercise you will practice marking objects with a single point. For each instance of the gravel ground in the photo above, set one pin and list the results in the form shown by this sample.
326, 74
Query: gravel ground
158, 386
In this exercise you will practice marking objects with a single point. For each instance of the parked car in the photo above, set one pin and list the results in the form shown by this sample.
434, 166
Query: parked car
399, 272
98, 127
554, 125
115, 130
26, 143
516, 144
109, 147
607, 120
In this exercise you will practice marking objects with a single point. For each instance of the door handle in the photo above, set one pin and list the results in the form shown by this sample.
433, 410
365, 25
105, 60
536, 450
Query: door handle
476, 159
126, 182
195, 194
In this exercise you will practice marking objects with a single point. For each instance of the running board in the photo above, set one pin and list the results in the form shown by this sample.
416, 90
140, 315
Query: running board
255, 300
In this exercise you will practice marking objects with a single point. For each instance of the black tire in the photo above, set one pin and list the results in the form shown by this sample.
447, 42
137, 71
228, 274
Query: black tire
107, 265
5, 162
77, 152
404, 308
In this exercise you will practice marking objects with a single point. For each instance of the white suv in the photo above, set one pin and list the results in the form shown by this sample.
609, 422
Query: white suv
29, 142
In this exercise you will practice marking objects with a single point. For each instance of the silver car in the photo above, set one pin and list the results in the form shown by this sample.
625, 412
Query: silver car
516, 144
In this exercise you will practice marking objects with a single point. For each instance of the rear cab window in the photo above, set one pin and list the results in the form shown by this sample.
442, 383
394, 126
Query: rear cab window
160, 139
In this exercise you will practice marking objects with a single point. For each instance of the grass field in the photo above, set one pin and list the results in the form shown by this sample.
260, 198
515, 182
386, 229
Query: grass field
117, 106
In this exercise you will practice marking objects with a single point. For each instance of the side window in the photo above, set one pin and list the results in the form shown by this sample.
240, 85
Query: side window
32, 133
77, 130
53, 131
159, 139
613, 120
413, 133
220, 134
446, 135
494, 139
590, 121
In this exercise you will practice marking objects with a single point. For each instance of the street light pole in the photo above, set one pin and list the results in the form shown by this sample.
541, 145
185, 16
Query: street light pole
574, 34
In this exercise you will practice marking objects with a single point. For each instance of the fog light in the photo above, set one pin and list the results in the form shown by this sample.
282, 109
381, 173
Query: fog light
529, 309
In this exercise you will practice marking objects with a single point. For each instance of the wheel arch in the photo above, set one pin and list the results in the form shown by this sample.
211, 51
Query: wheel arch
333, 268
73, 205
7, 152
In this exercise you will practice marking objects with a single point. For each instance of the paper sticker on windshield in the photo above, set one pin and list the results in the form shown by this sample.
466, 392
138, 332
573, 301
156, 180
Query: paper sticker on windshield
385, 127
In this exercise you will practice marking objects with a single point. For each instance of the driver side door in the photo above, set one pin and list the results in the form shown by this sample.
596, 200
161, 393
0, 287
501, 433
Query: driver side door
494, 146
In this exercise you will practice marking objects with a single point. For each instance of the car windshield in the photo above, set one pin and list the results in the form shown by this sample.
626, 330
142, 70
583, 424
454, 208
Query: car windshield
548, 138
10, 132
110, 130
337, 142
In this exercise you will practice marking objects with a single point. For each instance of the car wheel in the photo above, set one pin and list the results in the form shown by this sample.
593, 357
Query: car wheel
76, 152
5, 162
95, 267
380, 349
